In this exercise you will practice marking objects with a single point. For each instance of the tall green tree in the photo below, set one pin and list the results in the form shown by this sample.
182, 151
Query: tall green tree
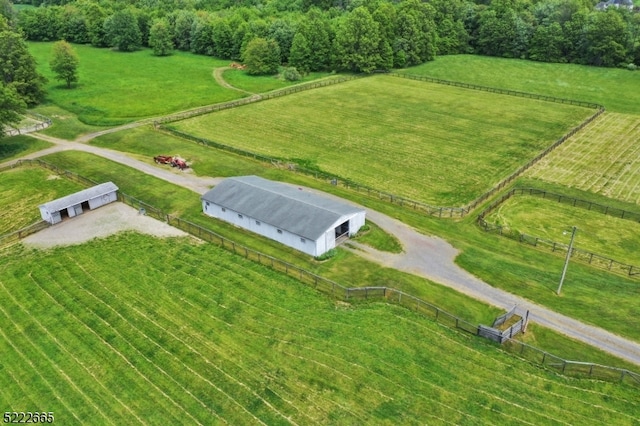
122, 31
357, 43
11, 108
202, 36
18, 67
316, 29
547, 44
222, 38
160, 39
262, 56
65, 63
300, 54
605, 39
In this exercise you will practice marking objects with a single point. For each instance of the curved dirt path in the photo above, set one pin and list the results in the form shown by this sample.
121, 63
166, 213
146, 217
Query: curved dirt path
218, 76
426, 256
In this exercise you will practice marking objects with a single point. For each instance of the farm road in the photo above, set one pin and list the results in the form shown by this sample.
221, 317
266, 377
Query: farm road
426, 256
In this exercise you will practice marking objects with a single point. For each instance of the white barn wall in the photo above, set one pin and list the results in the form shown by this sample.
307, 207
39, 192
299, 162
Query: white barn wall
287, 238
94, 203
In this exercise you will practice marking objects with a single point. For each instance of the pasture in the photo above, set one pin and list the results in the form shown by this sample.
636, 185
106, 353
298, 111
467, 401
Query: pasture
509, 265
19, 146
207, 338
23, 190
151, 85
604, 158
437, 144
616, 89
608, 236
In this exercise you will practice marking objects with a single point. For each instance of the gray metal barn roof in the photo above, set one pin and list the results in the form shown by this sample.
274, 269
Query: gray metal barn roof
80, 197
283, 206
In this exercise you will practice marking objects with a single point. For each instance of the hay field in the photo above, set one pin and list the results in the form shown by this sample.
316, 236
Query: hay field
436, 144
604, 158
189, 333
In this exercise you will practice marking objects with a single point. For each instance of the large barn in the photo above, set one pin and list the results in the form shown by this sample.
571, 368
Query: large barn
75, 204
308, 222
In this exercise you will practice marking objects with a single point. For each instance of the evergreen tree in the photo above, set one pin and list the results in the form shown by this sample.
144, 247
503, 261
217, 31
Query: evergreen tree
300, 54
65, 63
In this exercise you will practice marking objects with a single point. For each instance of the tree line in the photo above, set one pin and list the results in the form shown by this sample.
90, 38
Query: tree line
346, 35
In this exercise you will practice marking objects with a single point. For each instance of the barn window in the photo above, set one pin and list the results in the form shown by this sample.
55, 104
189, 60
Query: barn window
258, 222
302, 240
239, 216
279, 231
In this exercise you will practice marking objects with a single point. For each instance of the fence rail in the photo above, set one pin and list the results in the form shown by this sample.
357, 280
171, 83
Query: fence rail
252, 99
584, 256
439, 211
16, 236
43, 123
386, 294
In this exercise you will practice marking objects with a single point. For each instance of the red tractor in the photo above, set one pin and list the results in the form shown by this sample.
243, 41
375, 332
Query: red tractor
179, 163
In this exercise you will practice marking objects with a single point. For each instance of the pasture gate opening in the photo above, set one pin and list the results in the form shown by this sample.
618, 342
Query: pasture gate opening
363, 294
437, 211
584, 256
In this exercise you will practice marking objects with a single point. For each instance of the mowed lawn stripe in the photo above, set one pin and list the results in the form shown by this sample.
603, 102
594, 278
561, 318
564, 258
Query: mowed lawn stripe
604, 158
438, 144
149, 306
109, 336
74, 356
166, 341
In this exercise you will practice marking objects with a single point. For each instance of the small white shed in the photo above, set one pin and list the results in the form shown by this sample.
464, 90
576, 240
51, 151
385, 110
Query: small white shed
298, 218
75, 204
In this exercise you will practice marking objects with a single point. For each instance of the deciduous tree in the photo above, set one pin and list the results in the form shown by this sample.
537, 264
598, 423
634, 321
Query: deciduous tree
65, 63
262, 56
357, 43
122, 31
18, 67
160, 39
11, 106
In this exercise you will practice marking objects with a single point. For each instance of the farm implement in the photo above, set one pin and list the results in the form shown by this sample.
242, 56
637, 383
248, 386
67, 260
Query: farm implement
173, 161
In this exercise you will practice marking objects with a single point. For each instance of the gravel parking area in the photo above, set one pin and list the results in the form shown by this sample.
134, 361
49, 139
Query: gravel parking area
100, 223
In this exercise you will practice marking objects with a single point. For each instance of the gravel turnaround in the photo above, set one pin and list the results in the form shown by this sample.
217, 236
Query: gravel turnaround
426, 256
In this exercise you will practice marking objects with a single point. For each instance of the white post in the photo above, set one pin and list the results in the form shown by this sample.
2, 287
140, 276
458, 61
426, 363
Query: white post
566, 261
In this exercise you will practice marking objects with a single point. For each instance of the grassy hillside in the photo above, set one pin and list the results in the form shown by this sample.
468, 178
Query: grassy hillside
437, 144
189, 333
151, 85
616, 89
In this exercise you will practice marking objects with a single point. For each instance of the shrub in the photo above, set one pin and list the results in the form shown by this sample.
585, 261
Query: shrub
292, 74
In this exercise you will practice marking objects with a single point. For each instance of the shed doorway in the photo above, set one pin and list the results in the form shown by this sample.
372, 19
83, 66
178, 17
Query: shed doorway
342, 232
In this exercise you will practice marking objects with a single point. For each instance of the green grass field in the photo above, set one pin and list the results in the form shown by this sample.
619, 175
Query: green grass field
151, 85
607, 236
616, 89
604, 158
87, 330
19, 146
23, 190
437, 144
266, 83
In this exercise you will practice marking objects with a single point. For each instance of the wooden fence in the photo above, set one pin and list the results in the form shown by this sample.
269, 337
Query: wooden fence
44, 122
584, 256
356, 294
252, 99
15, 236
438, 211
